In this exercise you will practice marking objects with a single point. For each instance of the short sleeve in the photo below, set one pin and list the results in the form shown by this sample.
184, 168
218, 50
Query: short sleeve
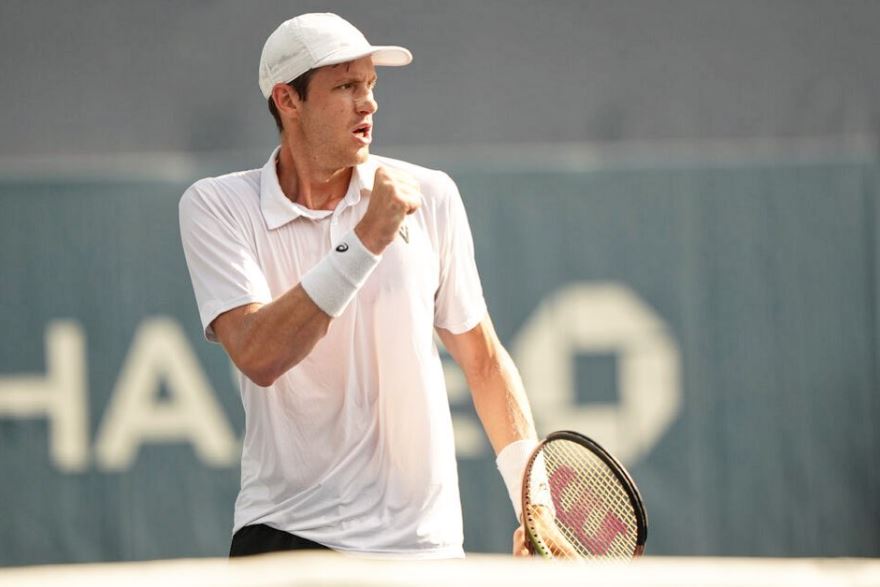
459, 305
222, 264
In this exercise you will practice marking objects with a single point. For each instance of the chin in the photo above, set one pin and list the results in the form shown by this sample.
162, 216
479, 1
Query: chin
362, 156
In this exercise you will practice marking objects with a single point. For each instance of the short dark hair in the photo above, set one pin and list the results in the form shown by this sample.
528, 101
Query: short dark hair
301, 86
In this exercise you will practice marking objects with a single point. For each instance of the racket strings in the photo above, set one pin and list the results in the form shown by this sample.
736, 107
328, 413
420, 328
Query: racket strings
606, 503
593, 513
601, 487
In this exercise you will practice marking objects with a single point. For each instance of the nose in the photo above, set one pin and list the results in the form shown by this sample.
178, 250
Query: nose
367, 103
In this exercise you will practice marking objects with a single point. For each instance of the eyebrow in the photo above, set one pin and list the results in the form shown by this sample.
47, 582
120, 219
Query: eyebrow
354, 79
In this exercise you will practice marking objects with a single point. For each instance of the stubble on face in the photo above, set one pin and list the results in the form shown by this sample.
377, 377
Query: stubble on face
337, 102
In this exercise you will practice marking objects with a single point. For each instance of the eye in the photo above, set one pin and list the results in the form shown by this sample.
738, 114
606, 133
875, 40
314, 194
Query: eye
346, 86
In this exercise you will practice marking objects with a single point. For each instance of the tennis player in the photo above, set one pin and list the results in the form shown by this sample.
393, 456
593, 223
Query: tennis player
324, 276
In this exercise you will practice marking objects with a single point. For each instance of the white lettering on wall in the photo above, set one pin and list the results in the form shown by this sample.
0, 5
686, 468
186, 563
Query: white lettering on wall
582, 318
160, 354
59, 395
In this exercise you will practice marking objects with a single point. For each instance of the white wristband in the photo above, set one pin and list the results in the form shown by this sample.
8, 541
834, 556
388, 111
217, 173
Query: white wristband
511, 462
335, 280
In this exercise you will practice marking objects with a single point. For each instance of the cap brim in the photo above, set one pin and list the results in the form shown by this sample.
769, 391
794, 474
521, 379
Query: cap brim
382, 55
391, 55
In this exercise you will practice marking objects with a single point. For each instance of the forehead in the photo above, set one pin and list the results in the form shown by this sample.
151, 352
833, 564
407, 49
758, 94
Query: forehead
358, 68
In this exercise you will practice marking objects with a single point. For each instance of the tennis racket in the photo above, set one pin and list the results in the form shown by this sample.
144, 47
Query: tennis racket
578, 502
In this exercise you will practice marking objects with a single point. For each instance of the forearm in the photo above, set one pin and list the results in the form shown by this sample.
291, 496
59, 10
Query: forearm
500, 401
266, 341
274, 337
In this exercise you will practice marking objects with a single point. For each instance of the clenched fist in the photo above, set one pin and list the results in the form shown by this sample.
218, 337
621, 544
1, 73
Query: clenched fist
395, 195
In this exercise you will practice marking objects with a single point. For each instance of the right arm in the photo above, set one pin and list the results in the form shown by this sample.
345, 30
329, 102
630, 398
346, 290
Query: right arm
266, 340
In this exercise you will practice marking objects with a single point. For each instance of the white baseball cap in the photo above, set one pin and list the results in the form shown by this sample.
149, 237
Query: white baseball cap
315, 40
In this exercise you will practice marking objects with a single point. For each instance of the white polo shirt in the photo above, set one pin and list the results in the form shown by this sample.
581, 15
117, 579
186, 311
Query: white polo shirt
353, 447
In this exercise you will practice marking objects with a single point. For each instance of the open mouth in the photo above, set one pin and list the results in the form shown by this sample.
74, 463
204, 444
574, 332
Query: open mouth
363, 131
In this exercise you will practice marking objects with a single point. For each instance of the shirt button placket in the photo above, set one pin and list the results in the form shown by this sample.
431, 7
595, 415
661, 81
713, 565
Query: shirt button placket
334, 229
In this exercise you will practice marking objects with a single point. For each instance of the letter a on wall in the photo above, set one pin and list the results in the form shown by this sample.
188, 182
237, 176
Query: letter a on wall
160, 354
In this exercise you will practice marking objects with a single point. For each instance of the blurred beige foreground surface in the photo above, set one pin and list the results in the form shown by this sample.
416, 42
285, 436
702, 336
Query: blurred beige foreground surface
328, 569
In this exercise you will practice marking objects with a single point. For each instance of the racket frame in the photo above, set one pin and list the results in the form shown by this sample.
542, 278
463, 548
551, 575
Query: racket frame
617, 469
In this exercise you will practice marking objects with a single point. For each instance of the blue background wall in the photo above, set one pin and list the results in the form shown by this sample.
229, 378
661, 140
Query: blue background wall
763, 274
675, 212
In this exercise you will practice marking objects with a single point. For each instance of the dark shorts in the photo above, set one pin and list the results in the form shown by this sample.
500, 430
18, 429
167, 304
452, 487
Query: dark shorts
260, 539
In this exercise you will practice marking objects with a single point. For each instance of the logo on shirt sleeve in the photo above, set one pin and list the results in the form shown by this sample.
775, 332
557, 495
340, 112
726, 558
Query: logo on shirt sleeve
342, 247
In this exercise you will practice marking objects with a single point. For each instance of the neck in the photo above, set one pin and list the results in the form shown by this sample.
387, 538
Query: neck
304, 181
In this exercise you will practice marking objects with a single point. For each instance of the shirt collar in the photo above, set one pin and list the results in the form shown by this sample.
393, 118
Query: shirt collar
278, 210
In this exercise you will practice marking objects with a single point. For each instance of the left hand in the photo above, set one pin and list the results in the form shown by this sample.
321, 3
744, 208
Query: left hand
555, 541
519, 542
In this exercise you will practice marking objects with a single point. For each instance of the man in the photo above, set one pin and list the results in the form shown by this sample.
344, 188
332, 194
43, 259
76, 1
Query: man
324, 275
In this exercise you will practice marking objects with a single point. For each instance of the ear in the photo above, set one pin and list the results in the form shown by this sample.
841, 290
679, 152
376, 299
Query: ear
287, 101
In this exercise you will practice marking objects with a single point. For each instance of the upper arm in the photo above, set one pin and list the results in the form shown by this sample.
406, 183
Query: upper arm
477, 351
458, 302
223, 266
